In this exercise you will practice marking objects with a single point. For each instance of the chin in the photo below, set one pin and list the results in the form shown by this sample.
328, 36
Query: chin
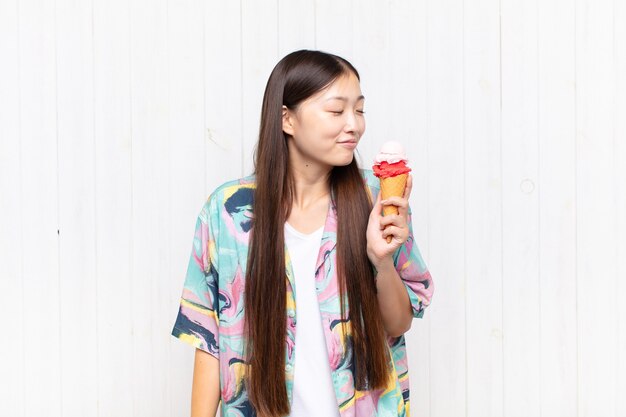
344, 162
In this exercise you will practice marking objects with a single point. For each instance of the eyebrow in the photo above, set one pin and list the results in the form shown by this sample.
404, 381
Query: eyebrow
344, 98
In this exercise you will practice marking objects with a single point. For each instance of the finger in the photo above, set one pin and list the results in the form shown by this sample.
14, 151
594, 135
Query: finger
394, 231
394, 219
408, 187
400, 202
403, 210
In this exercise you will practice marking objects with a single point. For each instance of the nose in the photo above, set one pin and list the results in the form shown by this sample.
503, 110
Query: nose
351, 122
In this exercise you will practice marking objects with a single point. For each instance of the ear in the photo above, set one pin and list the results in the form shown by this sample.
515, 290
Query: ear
287, 125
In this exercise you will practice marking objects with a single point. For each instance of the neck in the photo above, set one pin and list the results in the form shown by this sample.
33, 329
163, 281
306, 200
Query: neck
311, 184
311, 181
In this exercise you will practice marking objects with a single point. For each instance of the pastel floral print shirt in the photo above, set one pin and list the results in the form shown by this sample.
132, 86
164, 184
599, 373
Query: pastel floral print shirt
210, 315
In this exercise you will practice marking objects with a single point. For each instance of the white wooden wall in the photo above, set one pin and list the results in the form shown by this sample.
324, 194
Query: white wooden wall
118, 117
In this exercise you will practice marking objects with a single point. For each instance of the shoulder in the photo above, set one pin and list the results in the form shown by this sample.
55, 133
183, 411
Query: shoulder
230, 194
228, 188
240, 191
371, 181
369, 178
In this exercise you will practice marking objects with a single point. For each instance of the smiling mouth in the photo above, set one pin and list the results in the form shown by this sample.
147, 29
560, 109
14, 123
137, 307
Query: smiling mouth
349, 144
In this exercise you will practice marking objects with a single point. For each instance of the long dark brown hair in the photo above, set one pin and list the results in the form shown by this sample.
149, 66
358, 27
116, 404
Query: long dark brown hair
296, 77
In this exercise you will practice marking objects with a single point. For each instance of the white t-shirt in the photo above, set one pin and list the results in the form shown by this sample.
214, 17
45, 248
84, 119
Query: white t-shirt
313, 392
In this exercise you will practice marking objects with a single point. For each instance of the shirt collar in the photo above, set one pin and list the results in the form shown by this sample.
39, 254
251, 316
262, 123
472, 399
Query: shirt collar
329, 236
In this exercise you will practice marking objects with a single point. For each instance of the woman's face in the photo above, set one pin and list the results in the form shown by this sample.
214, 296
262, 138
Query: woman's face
326, 127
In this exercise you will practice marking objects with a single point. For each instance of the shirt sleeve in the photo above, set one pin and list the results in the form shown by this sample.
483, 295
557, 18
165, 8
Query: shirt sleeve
197, 322
414, 273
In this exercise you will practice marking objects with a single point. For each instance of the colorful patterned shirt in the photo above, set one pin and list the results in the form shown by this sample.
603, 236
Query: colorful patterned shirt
210, 315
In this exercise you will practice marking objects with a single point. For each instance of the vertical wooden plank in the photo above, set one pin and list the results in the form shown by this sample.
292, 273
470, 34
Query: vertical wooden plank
596, 219
334, 27
39, 208
446, 201
296, 25
557, 211
77, 195
223, 99
520, 209
11, 294
150, 111
619, 49
193, 71
407, 122
483, 208
259, 49
113, 207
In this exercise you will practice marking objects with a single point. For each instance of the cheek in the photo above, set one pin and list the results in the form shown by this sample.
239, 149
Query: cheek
325, 131
318, 128
334, 127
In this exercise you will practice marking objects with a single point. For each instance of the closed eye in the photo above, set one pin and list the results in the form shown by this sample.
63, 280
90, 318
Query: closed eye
339, 112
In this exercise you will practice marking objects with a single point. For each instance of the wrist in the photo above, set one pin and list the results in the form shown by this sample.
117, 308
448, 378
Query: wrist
383, 265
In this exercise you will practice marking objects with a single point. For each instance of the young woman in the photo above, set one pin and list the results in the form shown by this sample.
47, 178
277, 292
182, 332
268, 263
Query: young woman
293, 298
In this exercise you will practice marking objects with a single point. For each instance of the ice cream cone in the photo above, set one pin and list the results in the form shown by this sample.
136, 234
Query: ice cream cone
392, 186
391, 169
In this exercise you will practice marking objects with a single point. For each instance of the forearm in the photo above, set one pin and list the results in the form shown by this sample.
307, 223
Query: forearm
205, 390
393, 300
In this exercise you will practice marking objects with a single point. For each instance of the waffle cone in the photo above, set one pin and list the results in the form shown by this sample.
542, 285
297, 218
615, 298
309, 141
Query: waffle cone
392, 186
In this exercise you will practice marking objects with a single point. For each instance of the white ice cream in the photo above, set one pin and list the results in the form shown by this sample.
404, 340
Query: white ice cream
391, 152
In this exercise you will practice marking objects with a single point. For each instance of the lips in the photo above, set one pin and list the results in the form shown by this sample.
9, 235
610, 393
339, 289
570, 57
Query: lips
349, 144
